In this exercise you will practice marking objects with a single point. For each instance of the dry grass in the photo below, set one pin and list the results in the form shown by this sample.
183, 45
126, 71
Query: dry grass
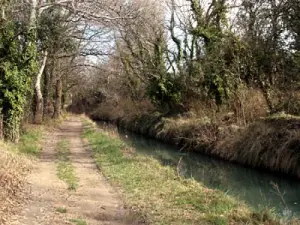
272, 143
193, 133
245, 106
123, 108
13, 168
51, 123
248, 105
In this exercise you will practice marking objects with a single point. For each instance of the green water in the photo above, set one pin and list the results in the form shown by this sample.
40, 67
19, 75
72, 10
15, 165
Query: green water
258, 189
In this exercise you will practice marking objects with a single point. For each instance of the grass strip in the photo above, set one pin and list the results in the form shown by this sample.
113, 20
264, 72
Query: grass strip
157, 193
30, 141
65, 169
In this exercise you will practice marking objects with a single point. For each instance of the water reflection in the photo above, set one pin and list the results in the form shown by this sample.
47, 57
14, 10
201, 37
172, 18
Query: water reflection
258, 189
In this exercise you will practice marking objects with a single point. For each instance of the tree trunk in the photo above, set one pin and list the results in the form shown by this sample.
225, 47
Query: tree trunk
48, 89
1, 126
33, 14
58, 98
46, 92
266, 94
39, 106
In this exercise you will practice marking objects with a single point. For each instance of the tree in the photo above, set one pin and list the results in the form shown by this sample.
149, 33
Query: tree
18, 66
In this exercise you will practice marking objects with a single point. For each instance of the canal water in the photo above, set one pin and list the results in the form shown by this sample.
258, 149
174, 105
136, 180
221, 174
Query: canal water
257, 189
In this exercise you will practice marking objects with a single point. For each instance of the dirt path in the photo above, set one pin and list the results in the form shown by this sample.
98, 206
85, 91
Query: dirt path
93, 202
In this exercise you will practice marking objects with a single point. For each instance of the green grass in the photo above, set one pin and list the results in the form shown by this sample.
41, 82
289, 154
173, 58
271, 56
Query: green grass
65, 169
156, 192
61, 210
30, 141
78, 221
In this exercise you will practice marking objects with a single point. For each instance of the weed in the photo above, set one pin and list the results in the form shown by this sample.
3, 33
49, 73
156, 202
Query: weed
65, 169
61, 210
78, 221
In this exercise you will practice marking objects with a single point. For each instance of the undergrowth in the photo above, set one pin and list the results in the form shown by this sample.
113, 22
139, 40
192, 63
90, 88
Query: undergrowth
14, 166
30, 140
65, 169
162, 196
271, 143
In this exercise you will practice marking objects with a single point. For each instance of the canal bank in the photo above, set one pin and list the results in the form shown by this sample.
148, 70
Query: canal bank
269, 143
160, 193
258, 189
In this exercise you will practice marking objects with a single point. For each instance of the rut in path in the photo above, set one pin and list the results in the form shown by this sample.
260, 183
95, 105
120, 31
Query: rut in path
94, 201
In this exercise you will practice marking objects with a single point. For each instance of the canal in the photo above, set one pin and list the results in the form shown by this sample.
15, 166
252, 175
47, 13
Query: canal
256, 188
